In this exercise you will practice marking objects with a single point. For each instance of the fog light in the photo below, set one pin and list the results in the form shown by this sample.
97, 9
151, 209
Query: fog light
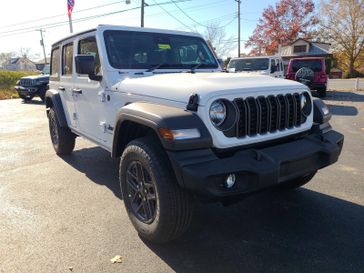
230, 181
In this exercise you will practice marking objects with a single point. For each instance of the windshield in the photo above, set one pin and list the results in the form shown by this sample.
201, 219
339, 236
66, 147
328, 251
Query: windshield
249, 64
315, 65
46, 70
143, 50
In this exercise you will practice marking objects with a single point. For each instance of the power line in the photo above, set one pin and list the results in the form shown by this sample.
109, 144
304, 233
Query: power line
61, 23
198, 23
172, 15
59, 15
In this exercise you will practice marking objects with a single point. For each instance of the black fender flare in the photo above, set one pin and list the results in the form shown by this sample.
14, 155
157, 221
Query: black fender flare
155, 116
53, 100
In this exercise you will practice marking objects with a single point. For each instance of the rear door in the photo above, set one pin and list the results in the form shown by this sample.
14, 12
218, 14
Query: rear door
65, 85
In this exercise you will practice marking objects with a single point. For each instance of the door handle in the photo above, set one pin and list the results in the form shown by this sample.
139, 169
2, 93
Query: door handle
77, 91
61, 88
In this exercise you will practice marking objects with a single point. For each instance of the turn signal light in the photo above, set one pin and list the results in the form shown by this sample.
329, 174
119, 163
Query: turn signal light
179, 134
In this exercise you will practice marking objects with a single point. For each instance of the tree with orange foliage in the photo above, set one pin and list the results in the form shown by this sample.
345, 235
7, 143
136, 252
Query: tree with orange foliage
281, 25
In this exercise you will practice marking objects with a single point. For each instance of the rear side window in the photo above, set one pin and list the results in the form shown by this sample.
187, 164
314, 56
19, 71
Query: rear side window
67, 59
88, 46
55, 64
314, 65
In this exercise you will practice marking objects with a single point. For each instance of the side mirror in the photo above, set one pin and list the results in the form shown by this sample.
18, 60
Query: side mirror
273, 69
85, 64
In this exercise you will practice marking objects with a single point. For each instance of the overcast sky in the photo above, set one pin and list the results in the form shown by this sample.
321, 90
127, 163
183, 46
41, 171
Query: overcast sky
14, 35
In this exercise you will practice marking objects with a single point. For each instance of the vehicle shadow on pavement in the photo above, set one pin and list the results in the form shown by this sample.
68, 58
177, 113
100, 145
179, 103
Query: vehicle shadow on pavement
298, 231
343, 110
98, 166
344, 96
35, 102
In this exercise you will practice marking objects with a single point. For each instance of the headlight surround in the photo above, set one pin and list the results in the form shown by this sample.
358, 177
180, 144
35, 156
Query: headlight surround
217, 112
223, 114
306, 104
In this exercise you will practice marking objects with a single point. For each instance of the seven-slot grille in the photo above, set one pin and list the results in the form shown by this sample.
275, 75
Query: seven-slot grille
27, 82
268, 114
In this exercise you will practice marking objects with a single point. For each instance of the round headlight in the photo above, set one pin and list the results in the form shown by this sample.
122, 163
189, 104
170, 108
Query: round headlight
306, 104
217, 112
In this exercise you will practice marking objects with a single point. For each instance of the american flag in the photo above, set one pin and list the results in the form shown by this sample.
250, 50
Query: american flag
70, 5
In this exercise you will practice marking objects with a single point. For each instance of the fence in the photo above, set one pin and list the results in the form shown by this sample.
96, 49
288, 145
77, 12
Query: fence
346, 84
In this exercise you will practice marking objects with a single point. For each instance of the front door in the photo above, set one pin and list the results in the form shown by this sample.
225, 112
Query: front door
90, 97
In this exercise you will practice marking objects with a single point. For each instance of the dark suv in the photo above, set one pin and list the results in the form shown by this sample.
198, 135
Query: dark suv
30, 86
310, 71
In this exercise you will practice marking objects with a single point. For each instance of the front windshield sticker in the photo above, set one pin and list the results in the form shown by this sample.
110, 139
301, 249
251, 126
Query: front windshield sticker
164, 46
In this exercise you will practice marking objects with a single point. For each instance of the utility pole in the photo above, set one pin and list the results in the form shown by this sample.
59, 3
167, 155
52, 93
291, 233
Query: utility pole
239, 2
141, 9
142, 14
42, 44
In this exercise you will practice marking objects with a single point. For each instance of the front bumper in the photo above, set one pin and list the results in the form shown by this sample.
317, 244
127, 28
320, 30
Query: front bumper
203, 172
26, 90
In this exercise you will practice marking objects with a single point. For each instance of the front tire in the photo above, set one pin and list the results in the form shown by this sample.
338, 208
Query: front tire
62, 138
158, 208
297, 182
41, 93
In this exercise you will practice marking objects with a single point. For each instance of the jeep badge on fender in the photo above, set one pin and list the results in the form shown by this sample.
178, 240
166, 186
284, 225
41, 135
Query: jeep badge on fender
184, 130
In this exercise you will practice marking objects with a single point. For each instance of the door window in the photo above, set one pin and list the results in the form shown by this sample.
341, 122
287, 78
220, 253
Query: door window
88, 46
278, 65
67, 59
55, 64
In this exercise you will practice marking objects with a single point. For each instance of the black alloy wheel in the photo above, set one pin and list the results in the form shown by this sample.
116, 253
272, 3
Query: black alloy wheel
141, 191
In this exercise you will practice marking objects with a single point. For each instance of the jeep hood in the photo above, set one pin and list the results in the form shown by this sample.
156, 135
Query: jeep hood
178, 87
36, 77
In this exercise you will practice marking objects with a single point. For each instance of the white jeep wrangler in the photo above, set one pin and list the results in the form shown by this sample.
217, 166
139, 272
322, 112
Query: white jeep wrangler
183, 128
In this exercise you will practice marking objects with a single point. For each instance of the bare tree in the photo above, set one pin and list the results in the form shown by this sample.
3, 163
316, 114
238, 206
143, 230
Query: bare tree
343, 23
24, 52
5, 57
216, 36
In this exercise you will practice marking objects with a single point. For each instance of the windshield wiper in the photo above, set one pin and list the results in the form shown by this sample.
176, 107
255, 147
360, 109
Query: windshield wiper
193, 68
155, 67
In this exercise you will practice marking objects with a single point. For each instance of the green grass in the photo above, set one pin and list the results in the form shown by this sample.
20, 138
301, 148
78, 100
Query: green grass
8, 80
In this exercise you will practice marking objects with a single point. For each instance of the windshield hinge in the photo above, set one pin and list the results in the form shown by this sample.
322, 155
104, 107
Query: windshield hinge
192, 103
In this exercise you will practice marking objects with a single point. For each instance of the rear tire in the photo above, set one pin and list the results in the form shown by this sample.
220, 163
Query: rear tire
321, 92
62, 138
297, 182
146, 175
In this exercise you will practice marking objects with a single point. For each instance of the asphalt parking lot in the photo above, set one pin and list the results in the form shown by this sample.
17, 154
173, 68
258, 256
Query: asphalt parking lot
66, 214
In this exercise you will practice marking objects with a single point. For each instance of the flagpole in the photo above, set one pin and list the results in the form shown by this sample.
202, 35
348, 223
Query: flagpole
70, 20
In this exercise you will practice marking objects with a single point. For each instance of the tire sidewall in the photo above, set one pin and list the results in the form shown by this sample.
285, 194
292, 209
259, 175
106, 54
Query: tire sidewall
133, 153
53, 122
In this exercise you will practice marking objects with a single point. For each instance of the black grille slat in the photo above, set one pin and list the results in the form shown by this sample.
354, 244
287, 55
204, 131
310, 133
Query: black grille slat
263, 115
243, 117
299, 112
253, 113
291, 113
283, 110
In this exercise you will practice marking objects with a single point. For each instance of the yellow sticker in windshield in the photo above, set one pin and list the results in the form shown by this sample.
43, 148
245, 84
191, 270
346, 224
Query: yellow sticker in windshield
164, 46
